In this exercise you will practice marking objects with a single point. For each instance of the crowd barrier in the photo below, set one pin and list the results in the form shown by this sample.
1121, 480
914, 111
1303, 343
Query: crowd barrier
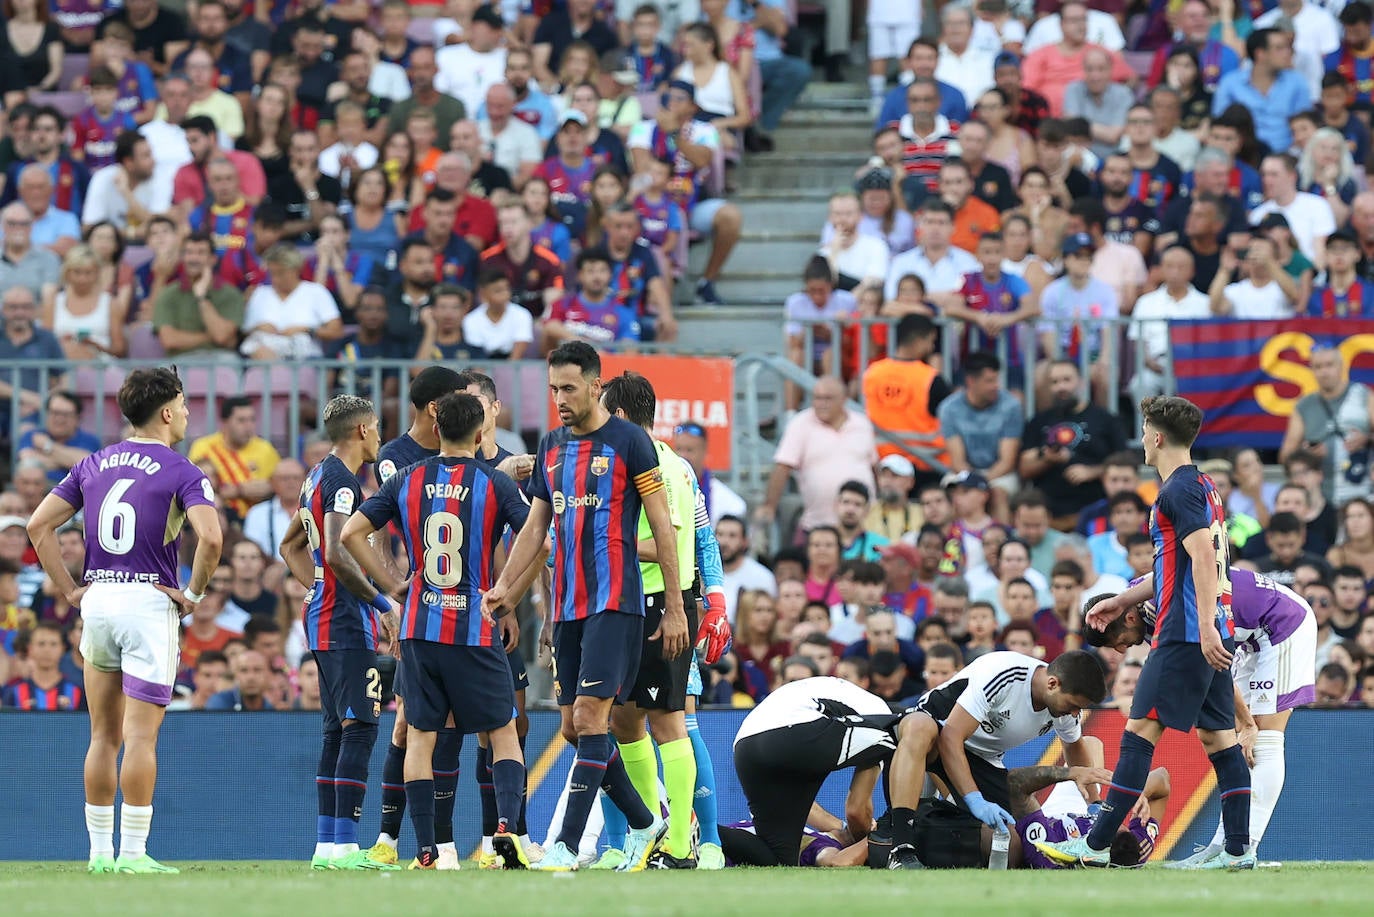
241, 786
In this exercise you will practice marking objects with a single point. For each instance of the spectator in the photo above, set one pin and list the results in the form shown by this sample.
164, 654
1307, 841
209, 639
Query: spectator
1050, 69
267, 521
972, 217
1103, 102
1009, 566
233, 69
922, 57
981, 425
410, 292
44, 688
569, 173
61, 443
46, 148
454, 260
251, 682
719, 88
818, 302
1333, 686
647, 51
515, 145
201, 634
889, 677
125, 193
576, 20
636, 281
22, 265
903, 392
86, 319
1284, 537
242, 461
1309, 215
533, 272
443, 327
1303, 495
1257, 294
696, 143
1176, 298
32, 43
784, 76
936, 261
971, 495
689, 442
824, 446
1031, 520
494, 326
1271, 90
991, 303
962, 64
894, 514
742, 573
249, 597
755, 627
1008, 146
198, 314
167, 137
1327, 170
352, 152
288, 317
53, 229
1119, 265
1063, 446
159, 33
856, 257
923, 142
1171, 139
592, 313
467, 68
1212, 58
1076, 300
851, 512
1316, 34
1334, 422
1028, 107
424, 96
24, 339
474, 217
1102, 28
1127, 513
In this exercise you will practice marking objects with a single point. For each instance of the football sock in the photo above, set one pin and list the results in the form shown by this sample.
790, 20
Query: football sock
486, 789
680, 780
350, 780
324, 792
393, 791
616, 825
588, 771
1233, 780
641, 767
626, 795
877, 85
448, 745
508, 776
903, 827
521, 825
704, 798
134, 824
420, 800
1266, 781
100, 826
1128, 782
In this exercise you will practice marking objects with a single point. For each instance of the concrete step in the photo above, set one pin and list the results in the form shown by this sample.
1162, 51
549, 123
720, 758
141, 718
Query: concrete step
806, 215
729, 328
812, 138
756, 288
765, 252
819, 176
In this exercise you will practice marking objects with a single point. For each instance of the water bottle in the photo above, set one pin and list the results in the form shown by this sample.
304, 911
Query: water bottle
1001, 840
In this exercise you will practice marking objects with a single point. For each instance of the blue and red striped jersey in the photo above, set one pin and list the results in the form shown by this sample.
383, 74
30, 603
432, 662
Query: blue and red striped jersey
228, 226
399, 454
595, 484
335, 619
65, 696
1188, 501
95, 136
451, 513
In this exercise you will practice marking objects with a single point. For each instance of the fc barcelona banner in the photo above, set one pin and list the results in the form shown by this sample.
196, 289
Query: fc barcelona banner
1248, 375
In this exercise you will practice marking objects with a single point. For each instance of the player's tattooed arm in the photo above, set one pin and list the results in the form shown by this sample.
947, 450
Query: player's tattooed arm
350, 555
295, 551
1025, 782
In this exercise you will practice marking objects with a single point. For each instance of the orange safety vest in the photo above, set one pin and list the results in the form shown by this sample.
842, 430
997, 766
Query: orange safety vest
897, 398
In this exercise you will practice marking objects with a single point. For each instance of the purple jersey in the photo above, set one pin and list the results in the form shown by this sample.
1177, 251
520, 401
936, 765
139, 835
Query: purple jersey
1259, 603
1053, 829
658, 218
136, 495
813, 842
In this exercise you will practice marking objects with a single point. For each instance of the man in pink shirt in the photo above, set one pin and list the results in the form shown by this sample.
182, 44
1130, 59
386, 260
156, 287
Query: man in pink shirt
189, 186
824, 446
1049, 70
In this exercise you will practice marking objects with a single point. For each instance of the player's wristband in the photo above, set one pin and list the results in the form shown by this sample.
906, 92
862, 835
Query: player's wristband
381, 603
194, 598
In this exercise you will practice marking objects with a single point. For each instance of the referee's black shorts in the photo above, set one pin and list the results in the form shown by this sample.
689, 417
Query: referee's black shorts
990, 778
661, 684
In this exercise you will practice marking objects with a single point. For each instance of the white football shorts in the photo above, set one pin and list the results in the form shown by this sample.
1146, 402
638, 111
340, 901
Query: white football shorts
134, 629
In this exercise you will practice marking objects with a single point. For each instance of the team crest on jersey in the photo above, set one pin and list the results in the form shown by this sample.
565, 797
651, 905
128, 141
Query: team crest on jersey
64, 701
600, 464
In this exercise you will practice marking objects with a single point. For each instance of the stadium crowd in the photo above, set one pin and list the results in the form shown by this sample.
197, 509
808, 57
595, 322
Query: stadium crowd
292, 180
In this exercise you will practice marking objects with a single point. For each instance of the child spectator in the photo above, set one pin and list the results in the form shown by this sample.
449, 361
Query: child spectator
661, 219
992, 310
592, 313
45, 687
500, 332
136, 86
1021, 637
548, 230
94, 130
1140, 554
818, 300
648, 56
443, 326
982, 630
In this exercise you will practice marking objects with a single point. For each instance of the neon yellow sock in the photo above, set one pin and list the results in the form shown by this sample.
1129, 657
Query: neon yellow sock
680, 780
642, 768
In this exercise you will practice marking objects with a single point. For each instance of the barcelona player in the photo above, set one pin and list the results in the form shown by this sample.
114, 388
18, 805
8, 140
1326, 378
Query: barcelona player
1186, 680
341, 629
415, 445
592, 477
137, 495
451, 510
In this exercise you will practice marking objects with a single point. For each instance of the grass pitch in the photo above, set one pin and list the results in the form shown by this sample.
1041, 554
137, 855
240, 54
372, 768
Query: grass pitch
277, 888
